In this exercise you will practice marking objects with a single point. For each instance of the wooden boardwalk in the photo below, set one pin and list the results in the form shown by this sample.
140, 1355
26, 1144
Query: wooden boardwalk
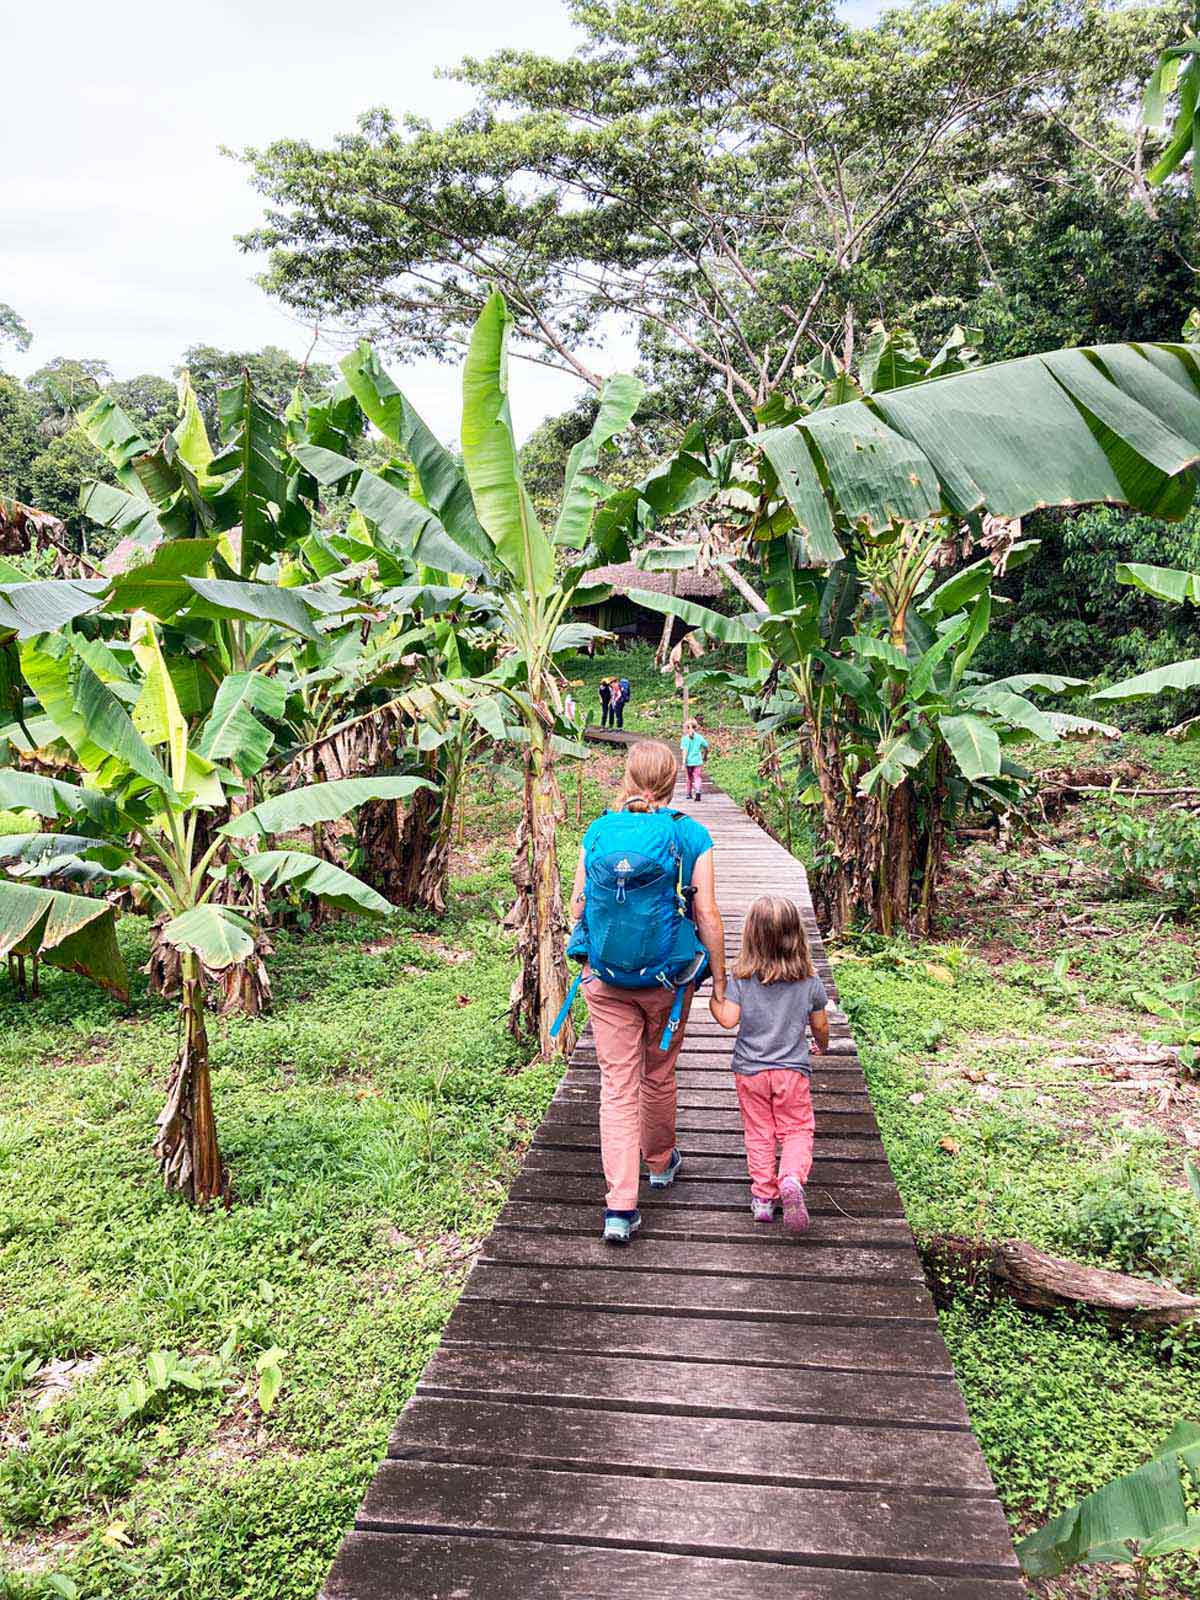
719, 1411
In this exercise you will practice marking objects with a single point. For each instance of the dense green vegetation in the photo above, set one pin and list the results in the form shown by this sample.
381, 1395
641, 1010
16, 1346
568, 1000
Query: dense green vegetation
368, 1163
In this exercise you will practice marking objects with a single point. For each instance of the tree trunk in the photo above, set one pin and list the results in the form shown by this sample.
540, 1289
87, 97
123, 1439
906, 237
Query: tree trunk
537, 915
873, 844
185, 1147
405, 848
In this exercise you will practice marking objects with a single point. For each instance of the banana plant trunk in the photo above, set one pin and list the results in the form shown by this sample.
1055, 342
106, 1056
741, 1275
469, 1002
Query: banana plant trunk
405, 848
882, 856
537, 916
186, 1148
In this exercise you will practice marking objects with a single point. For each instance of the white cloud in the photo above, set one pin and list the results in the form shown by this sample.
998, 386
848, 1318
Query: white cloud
117, 210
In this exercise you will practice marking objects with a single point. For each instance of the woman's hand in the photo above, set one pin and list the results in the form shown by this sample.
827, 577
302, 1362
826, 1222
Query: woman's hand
577, 895
725, 1012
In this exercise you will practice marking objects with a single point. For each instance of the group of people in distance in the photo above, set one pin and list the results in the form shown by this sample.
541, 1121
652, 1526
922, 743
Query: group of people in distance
614, 697
645, 866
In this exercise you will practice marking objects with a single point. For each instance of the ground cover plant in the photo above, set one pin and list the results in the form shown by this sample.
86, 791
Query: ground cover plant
1024, 1089
369, 1162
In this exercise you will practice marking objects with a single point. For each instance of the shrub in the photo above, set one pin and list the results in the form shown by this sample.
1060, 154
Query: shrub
1160, 853
1129, 1218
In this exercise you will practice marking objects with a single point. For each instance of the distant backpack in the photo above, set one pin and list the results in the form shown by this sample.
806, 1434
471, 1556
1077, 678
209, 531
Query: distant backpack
626, 688
635, 932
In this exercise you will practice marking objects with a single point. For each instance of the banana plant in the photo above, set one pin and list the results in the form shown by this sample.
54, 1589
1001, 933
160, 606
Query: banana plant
1133, 1520
475, 523
1177, 587
154, 809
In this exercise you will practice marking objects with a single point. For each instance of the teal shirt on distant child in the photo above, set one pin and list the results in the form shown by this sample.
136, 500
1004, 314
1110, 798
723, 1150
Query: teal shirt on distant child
694, 746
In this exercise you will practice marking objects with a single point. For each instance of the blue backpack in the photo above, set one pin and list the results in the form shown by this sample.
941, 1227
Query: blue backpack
635, 931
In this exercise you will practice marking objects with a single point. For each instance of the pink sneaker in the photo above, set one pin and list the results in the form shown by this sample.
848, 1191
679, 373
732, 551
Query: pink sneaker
795, 1211
762, 1210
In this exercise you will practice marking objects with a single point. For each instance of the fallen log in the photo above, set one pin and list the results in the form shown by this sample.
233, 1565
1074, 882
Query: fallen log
1041, 1282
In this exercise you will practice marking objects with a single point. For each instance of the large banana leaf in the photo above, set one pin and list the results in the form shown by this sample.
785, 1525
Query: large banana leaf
233, 732
728, 630
1145, 1510
219, 936
114, 433
974, 744
129, 515
582, 493
263, 602
490, 455
413, 532
51, 797
1179, 675
159, 585
44, 605
70, 856
442, 482
255, 446
85, 711
65, 930
280, 869
319, 802
1164, 583
1115, 423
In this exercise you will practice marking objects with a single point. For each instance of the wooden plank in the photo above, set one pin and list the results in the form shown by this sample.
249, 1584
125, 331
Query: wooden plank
416, 1566
670, 1222
571, 1158
860, 1347
672, 1388
701, 1294
864, 1529
779, 1255
721, 1410
857, 1145
875, 1199
577, 1438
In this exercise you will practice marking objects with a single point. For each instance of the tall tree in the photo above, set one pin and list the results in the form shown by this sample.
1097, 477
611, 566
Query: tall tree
274, 373
721, 173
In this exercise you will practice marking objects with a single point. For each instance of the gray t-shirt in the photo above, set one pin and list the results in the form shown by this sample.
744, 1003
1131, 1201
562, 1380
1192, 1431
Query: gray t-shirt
773, 1031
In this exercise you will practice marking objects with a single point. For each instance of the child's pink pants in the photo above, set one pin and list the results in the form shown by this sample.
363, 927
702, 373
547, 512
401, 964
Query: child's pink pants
637, 1083
776, 1108
694, 786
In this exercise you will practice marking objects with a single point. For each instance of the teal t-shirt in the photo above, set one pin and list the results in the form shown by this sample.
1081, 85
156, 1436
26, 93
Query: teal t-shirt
693, 746
694, 840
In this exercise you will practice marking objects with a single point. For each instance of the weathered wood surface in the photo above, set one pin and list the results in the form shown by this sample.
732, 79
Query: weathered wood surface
719, 1412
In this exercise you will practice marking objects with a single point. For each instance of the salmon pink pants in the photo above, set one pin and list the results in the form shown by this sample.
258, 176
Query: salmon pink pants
637, 1083
776, 1109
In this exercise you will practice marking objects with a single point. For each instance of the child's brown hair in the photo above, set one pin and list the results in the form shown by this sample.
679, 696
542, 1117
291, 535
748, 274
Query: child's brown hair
774, 943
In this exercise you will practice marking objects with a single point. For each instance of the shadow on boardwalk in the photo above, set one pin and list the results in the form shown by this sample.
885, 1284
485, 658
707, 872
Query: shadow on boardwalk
719, 1412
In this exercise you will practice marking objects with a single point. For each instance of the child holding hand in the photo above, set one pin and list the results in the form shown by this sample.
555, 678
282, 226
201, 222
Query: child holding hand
773, 998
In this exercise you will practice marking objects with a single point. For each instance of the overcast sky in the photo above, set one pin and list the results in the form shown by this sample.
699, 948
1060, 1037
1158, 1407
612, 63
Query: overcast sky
117, 211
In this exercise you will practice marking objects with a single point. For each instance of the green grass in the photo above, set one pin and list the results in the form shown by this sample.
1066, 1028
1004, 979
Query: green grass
991, 1137
372, 1124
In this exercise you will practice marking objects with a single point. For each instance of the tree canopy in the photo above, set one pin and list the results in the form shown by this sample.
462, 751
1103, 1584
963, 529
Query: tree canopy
725, 176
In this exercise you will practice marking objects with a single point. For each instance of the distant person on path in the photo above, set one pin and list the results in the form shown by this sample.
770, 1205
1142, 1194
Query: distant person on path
606, 710
694, 748
774, 998
621, 694
638, 861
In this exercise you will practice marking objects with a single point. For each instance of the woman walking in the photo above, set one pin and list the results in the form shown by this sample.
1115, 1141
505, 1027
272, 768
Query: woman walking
626, 855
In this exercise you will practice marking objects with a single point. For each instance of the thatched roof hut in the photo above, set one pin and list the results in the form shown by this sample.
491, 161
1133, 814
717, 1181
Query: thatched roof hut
625, 575
627, 619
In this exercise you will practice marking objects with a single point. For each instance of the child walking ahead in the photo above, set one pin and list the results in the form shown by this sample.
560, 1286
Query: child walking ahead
773, 998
